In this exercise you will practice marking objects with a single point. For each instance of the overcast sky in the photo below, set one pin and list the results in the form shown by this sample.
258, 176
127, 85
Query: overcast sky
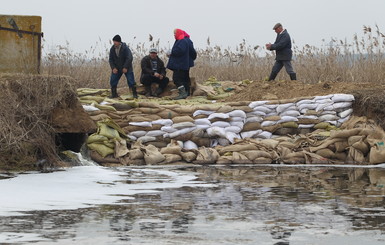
83, 22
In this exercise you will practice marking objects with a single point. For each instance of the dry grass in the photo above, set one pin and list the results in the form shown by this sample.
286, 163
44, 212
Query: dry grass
26, 104
360, 61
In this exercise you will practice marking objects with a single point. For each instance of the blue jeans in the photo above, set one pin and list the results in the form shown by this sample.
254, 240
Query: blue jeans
114, 80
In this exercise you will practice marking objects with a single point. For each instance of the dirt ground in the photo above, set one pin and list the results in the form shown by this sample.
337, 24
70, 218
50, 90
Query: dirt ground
261, 90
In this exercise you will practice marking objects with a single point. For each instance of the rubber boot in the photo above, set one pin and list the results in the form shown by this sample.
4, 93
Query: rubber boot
114, 92
187, 87
293, 76
273, 75
134, 93
182, 93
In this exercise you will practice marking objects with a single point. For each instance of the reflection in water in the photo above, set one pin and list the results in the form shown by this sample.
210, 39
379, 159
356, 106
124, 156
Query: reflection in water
248, 205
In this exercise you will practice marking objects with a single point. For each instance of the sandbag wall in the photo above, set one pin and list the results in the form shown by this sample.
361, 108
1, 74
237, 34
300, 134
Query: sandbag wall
191, 128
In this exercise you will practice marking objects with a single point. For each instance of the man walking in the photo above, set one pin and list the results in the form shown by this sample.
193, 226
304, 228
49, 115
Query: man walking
121, 63
153, 71
284, 54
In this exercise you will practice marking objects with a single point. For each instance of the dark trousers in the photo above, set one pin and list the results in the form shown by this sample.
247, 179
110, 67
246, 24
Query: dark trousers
278, 65
114, 80
182, 78
148, 79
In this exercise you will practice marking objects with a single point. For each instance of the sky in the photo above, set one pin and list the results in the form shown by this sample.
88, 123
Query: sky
86, 23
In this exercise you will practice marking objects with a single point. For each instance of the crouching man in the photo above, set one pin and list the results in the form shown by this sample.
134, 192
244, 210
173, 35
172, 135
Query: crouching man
153, 71
121, 63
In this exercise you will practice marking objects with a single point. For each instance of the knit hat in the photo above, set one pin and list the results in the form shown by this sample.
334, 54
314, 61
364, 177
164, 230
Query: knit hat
117, 38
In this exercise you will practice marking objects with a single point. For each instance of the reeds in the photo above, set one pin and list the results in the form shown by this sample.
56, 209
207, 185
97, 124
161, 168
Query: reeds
361, 60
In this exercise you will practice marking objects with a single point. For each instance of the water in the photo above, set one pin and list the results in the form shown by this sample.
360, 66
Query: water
195, 205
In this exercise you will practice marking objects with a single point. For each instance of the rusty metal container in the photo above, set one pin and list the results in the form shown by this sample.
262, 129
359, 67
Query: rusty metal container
20, 44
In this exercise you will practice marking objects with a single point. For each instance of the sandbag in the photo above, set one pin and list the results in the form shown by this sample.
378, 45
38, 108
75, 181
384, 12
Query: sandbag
148, 104
221, 124
341, 105
233, 129
206, 156
237, 148
254, 119
355, 156
291, 113
341, 145
344, 133
287, 119
251, 126
163, 122
262, 109
203, 121
223, 142
308, 121
262, 160
289, 125
230, 136
95, 156
190, 145
171, 158
201, 141
141, 124
182, 119
225, 160
183, 125
250, 134
237, 119
224, 109
270, 143
377, 153
239, 158
168, 129
99, 117
152, 155
218, 115
101, 149
345, 113
237, 124
149, 110
353, 139
155, 133
256, 113
264, 135
146, 139
120, 148
252, 155
362, 146
326, 153
322, 125
179, 132
108, 132
257, 103
188, 156
283, 107
216, 131
96, 138
342, 98
237, 113
167, 114
202, 112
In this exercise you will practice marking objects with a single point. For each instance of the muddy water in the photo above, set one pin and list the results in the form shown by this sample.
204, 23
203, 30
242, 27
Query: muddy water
195, 205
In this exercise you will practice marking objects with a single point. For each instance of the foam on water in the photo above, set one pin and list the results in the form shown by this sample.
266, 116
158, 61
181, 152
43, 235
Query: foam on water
81, 187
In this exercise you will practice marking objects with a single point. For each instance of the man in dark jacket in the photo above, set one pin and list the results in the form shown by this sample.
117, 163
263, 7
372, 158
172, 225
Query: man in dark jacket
121, 63
153, 71
181, 60
283, 52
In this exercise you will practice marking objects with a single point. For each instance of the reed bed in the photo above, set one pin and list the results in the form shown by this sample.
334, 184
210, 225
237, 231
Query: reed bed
361, 60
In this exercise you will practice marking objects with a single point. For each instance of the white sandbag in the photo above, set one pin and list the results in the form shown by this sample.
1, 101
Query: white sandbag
301, 102
341, 105
271, 114
202, 121
306, 125
262, 109
214, 143
256, 113
307, 106
268, 123
155, 133
90, 108
237, 119
254, 119
141, 124
328, 112
168, 129
328, 108
345, 113
133, 138
271, 106
203, 126
342, 98
288, 119
220, 124
232, 136
138, 134
335, 122
283, 107
237, 113
291, 113
323, 101
202, 112
264, 135
322, 106
237, 124
164, 122
218, 115
307, 117
179, 132
323, 97
183, 125
250, 134
189, 145
145, 139
257, 103
328, 117
233, 129
223, 142
216, 131
342, 120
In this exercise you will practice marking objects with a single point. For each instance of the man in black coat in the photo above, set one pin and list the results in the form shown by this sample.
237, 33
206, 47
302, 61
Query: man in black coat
121, 63
153, 71
283, 52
